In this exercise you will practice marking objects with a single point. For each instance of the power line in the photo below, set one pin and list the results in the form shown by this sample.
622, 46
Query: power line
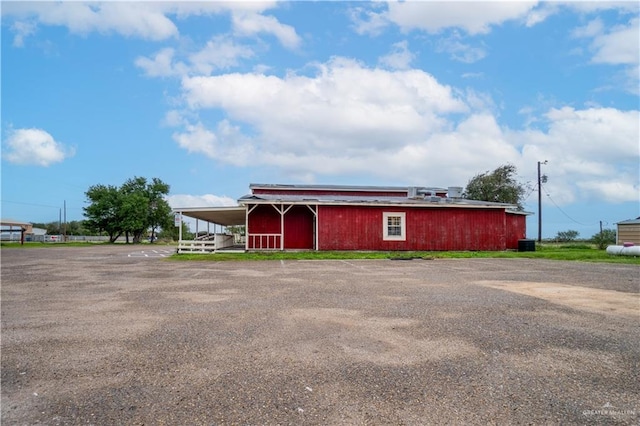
29, 204
38, 205
562, 211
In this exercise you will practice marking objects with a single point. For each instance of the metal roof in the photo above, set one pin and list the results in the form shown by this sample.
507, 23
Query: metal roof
345, 188
635, 221
11, 222
225, 216
375, 200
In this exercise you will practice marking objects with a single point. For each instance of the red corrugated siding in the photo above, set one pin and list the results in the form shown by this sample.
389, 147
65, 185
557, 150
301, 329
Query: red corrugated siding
360, 228
516, 229
298, 228
263, 219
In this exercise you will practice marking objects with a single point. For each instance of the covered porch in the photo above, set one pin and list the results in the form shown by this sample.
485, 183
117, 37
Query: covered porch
212, 232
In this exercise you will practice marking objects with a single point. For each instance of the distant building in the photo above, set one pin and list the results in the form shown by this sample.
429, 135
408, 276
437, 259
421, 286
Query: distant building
13, 230
336, 217
629, 231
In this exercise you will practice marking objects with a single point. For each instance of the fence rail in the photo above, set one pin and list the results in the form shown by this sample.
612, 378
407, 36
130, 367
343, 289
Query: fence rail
264, 241
219, 242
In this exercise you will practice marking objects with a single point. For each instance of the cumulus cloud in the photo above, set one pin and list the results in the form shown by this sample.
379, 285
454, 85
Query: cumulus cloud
345, 106
140, 19
434, 17
401, 126
34, 147
147, 20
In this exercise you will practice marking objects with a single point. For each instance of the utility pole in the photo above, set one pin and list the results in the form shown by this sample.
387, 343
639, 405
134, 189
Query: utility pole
64, 229
540, 201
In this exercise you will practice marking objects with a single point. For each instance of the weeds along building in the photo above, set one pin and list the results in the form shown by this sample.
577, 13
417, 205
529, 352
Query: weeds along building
336, 217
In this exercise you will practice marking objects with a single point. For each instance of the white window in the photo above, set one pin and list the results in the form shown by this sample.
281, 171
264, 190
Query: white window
394, 227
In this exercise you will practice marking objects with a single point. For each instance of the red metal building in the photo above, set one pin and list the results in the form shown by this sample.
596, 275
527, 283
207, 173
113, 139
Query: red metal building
331, 217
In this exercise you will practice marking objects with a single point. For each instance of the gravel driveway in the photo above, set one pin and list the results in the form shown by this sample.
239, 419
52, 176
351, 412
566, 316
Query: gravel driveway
102, 335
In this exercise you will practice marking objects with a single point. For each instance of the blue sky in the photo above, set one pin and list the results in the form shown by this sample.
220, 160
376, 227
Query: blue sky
212, 96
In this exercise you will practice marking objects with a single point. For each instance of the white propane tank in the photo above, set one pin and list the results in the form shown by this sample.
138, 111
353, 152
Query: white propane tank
625, 250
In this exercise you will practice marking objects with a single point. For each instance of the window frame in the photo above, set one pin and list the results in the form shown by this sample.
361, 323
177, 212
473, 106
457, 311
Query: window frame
385, 226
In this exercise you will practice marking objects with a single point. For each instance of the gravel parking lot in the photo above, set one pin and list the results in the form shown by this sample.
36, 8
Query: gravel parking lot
101, 335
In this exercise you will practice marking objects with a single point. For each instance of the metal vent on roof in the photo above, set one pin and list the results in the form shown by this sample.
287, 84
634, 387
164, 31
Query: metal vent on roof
412, 192
454, 192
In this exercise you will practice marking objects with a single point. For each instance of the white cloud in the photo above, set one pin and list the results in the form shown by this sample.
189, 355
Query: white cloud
249, 24
226, 143
177, 201
139, 19
591, 29
368, 21
588, 151
197, 139
433, 17
142, 19
345, 106
400, 57
34, 146
161, 64
618, 45
621, 45
404, 126
22, 30
460, 51
219, 53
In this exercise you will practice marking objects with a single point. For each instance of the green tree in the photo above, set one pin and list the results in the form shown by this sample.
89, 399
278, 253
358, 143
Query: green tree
104, 214
565, 236
160, 214
134, 209
498, 186
604, 238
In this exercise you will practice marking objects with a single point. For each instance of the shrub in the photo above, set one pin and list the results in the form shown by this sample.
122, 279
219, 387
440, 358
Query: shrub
604, 238
564, 236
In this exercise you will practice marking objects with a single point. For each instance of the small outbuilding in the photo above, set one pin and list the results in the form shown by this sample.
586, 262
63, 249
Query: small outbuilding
629, 231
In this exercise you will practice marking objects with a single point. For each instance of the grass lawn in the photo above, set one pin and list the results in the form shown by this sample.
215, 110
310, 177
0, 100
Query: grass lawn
577, 252
583, 252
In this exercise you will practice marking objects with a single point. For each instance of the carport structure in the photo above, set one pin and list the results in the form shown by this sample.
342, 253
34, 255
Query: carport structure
16, 226
219, 239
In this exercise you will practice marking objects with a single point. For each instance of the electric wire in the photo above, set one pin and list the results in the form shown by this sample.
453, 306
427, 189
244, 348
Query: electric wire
562, 211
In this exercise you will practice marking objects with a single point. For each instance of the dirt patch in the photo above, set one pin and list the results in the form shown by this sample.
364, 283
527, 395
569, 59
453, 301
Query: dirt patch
586, 298
380, 340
